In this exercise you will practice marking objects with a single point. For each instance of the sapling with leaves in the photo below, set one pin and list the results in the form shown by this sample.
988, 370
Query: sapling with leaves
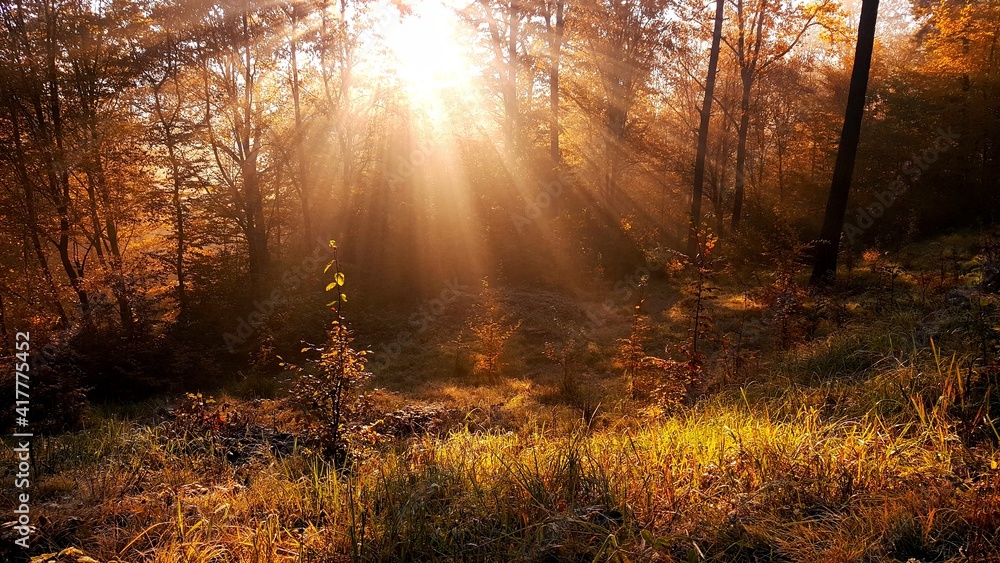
492, 328
327, 388
632, 350
564, 353
700, 291
675, 378
783, 297
678, 376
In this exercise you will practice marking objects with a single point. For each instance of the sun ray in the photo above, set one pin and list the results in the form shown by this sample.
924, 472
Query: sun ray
425, 45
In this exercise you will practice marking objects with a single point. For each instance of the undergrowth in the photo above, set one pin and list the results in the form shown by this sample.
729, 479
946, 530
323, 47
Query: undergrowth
870, 436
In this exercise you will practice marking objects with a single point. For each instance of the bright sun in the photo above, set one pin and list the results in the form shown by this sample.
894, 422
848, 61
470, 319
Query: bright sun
428, 53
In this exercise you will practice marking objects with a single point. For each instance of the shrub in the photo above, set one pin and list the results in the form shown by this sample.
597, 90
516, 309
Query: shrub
565, 353
492, 329
632, 350
326, 391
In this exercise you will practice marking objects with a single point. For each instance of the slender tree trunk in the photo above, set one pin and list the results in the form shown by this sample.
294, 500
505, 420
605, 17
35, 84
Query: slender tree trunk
59, 171
178, 181
718, 180
75, 277
706, 115
615, 136
741, 150
95, 221
338, 99
304, 187
346, 134
828, 246
510, 99
556, 31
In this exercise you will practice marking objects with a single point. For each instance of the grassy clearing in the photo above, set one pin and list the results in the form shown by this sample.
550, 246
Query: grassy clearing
726, 480
873, 440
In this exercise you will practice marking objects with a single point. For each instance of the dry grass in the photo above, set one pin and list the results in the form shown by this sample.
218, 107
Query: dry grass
860, 445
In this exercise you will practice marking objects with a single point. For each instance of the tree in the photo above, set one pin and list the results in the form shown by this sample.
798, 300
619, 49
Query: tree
25, 144
555, 28
828, 245
172, 93
706, 116
237, 61
35, 44
336, 43
296, 12
109, 153
766, 31
505, 25
624, 40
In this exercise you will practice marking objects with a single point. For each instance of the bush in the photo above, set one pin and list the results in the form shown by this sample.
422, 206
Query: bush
492, 328
326, 391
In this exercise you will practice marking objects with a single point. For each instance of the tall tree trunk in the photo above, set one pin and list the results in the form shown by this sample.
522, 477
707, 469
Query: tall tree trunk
718, 180
177, 178
304, 187
59, 170
510, 99
346, 134
507, 68
741, 150
706, 115
615, 137
256, 227
555, 31
178, 182
828, 246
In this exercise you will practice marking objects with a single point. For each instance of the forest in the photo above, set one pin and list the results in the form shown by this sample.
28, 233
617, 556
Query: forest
499, 280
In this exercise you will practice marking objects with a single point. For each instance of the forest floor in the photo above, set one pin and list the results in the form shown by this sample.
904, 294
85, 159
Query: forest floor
858, 426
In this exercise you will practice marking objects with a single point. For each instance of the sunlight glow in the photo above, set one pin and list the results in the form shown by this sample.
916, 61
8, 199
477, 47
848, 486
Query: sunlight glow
428, 55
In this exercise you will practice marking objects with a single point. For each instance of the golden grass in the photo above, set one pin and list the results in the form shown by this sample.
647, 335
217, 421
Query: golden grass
731, 479
852, 447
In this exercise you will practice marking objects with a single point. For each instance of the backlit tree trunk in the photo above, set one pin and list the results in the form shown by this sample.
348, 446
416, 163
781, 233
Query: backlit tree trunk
706, 115
828, 246
741, 152
303, 180
555, 30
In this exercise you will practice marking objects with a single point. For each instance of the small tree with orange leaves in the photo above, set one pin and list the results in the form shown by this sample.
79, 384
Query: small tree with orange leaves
492, 329
678, 376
